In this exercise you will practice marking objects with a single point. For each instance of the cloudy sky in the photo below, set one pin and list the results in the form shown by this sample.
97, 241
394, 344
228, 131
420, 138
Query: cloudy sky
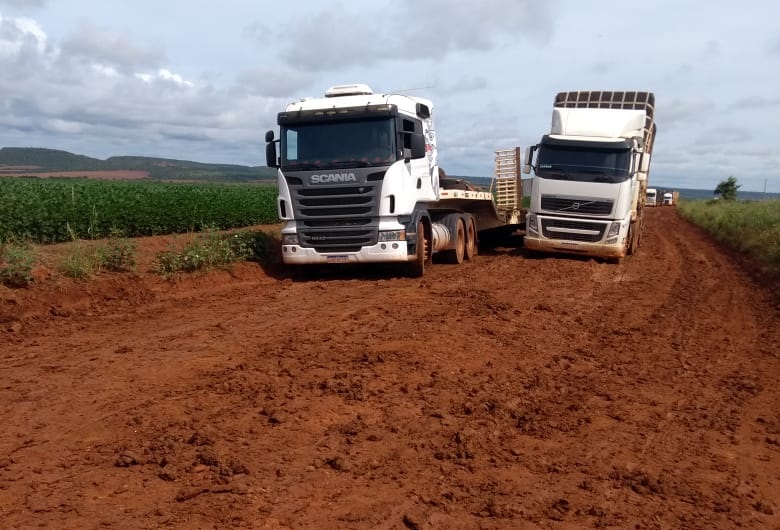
203, 80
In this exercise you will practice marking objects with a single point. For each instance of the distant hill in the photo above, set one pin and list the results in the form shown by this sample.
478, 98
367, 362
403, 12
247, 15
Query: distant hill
36, 160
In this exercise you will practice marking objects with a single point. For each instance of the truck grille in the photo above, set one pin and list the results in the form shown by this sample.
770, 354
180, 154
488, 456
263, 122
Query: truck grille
336, 241
573, 230
337, 218
576, 205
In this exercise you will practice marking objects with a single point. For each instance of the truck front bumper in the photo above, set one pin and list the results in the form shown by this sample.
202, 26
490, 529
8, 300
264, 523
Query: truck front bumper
601, 250
385, 252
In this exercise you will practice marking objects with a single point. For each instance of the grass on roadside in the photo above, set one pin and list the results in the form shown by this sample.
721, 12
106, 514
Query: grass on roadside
752, 227
84, 260
16, 264
212, 249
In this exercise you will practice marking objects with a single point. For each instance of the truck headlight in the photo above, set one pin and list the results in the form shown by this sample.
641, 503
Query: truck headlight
614, 229
289, 239
392, 235
532, 223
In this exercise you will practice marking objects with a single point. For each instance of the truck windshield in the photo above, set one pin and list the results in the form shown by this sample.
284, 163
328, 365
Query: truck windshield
338, 144
583, 164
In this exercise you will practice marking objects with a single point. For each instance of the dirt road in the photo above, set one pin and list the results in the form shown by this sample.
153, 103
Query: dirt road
506, 393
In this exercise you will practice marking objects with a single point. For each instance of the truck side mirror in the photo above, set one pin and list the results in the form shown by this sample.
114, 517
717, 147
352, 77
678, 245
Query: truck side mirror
418, 146
270, 150
270, 155
529, 158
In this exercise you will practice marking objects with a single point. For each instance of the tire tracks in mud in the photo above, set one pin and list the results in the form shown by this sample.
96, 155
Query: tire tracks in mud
509, 392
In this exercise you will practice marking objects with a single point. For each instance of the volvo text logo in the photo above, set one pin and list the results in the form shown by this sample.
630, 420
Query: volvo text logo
327, 178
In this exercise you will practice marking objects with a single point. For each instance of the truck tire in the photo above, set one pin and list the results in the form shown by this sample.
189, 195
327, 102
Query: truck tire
417, 267
634, 232
627, 242
471, 239
457, 254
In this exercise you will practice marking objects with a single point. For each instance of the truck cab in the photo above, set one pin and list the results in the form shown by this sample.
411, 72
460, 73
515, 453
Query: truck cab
355, 171
590, 175
651, 199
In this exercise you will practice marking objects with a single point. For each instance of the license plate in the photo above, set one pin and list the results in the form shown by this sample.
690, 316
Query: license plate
338, 259
570, 245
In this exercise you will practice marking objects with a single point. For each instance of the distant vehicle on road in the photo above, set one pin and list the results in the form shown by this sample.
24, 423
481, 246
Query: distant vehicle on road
652, 197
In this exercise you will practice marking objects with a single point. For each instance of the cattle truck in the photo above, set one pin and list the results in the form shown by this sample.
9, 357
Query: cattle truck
590, 174
359, 182
651, 198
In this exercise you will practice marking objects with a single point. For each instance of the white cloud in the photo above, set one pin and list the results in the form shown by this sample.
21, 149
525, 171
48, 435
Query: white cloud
92, 44
176, 79
17, 34
24, 3
273, 82
337, 38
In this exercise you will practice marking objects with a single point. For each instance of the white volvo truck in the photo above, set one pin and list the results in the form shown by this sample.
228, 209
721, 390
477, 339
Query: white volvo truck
590, 174
359, 182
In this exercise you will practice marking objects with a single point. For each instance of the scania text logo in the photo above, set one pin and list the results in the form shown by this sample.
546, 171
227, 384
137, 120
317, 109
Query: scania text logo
327, 178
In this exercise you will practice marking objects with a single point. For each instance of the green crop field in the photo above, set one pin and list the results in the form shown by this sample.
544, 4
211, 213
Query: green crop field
48, 211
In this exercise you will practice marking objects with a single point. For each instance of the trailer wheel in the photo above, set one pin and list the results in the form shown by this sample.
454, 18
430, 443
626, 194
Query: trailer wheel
417, 267
456, 255
471, 239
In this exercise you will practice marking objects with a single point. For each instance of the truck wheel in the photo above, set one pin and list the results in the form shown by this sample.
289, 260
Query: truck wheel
634, 232
471, 239
456, 255
417, 267
627, 242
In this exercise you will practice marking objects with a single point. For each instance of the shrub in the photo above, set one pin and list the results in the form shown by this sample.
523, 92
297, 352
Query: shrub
212, 249
16, 265
253, 246
80, 263
118, 254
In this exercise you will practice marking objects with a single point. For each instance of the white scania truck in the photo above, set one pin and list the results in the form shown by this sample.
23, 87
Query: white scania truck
359, 182
590, 174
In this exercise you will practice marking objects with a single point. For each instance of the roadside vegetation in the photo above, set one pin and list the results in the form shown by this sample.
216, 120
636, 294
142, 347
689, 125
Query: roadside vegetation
99, 219
83, 259
752, 227
212, 249
16, 264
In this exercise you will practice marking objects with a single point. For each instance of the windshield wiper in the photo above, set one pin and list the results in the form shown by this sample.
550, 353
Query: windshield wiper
349, 163
553, 173
600, 175
301, 166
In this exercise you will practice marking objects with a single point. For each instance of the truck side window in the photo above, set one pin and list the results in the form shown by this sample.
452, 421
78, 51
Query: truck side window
291, 145
409, 127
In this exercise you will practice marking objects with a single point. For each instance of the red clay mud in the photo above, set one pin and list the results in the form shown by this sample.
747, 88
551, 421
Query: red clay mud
506, 393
